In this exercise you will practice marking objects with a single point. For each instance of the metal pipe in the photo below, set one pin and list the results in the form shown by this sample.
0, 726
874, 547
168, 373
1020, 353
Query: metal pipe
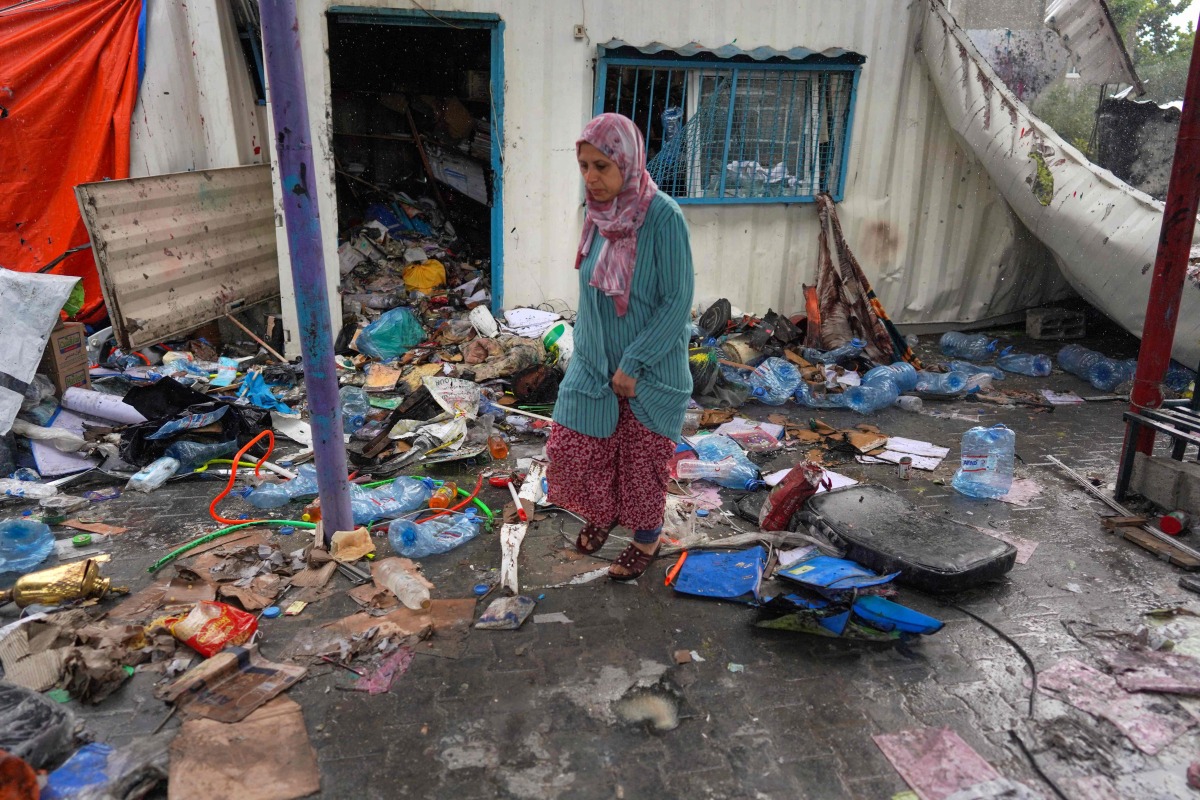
1170, 265
293, 145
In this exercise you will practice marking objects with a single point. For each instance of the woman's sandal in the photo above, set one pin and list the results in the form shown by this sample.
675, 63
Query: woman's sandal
591, 538
634, 560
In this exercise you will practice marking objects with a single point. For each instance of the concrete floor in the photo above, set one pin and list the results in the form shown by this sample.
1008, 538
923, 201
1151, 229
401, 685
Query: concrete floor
527, 714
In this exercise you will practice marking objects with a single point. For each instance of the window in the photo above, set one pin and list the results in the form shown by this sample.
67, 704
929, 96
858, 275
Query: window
732, 129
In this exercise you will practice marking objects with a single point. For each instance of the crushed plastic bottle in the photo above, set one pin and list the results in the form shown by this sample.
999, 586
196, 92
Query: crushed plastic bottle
153, 475
910, 403
775, 381
967, 368
417, 540
355, 407
948, 383
731, 472
401, 496
24, 544
406, 584
1103, 373
193, 455
274, 495
904, 374
987, 462
972, 347
1038, 366
30, 490
852, 349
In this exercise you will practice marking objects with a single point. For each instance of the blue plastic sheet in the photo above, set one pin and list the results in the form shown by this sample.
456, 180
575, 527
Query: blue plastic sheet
88, 767
833, 577
190, 422
726, 576
257, 393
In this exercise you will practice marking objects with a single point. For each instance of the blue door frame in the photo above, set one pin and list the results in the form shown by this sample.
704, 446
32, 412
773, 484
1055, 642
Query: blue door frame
416, 18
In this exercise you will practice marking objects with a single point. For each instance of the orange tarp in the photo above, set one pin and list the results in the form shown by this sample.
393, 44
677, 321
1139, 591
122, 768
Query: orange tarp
68, 83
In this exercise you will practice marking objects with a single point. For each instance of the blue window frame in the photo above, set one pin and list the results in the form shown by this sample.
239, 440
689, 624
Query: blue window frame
734, 129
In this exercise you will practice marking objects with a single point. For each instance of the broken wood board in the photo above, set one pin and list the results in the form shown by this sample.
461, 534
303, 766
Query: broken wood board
1164, 550
266, 756
229, 686
511, 537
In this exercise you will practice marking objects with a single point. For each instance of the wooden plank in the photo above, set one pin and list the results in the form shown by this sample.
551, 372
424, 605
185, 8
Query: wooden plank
1112, 523
1164, 550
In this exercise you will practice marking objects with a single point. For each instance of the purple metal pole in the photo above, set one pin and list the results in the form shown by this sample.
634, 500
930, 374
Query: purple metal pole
289, 110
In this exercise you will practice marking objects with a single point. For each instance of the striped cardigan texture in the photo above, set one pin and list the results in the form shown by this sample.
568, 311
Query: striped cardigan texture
649, 343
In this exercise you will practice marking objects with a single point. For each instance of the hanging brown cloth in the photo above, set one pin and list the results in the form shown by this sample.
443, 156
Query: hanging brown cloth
848, 307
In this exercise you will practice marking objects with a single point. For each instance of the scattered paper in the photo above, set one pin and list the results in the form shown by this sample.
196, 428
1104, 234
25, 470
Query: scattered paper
936, 762
1148, 722
1022, 492
230, 685
556, 616
836, 479
1062, 398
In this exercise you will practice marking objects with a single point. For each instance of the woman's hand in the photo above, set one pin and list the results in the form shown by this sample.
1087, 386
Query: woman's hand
624, 385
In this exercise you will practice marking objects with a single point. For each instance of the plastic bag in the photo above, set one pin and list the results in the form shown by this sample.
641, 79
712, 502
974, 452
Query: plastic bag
425, 277
29, 306
210, 627
393, 334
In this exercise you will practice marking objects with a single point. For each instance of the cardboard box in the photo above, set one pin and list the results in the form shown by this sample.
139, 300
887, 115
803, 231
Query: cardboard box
65, 359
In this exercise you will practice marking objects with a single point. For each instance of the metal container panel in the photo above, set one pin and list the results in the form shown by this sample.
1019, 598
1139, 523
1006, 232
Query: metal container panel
177, 251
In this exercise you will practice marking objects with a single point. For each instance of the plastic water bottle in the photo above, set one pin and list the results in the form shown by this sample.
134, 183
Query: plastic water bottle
715, 447
355, 407
413, 540
871, 397
193, 455
973, 347
274, 495
24, 544
1038, 366
1103, 373
904, 374
153, 475
408, 588
941, 382
732, 473
852, 349
987, 462
775, 381
402, 496
968, 368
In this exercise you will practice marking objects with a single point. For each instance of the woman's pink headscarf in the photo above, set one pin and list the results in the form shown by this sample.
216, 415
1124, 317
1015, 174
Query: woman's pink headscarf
620, 219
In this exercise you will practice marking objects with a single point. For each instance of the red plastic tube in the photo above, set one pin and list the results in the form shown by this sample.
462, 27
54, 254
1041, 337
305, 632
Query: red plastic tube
212, 507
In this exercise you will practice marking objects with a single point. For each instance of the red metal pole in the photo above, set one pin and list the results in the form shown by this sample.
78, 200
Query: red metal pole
1170, 266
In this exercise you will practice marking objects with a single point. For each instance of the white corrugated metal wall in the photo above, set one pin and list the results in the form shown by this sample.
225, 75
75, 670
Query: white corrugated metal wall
931, 231
196, 106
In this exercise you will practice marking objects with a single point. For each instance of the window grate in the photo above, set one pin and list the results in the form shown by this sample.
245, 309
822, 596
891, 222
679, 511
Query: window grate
737, 133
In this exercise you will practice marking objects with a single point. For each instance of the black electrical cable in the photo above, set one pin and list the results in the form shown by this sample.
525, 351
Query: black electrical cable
1036, 767
1028, 661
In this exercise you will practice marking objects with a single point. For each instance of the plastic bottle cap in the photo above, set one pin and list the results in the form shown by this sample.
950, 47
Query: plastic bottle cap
271, 612
481, 589
286, 530
82, 540
701, 512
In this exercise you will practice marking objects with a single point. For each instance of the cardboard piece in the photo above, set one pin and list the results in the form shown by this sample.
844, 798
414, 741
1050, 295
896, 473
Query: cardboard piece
102, 528
350, 546
230, 685
347, 636
266, 756
65, 359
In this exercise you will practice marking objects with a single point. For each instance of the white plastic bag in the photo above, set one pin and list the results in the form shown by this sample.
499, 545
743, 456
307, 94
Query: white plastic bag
29, 306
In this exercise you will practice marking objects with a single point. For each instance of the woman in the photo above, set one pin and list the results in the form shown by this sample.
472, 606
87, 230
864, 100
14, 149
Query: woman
620, 407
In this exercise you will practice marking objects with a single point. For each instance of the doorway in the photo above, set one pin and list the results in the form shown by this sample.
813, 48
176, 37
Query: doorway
416, 122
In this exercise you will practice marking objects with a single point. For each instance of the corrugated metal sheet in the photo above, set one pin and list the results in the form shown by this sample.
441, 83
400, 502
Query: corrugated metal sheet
1087, 30
1103, 232
937, 240
177, 251
731, 52
196, 107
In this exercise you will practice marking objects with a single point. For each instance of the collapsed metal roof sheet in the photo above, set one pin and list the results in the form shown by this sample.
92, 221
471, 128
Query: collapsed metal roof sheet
1087, 31
177, 251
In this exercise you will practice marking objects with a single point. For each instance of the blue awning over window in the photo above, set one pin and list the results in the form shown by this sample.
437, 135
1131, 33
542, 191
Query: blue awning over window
695, 50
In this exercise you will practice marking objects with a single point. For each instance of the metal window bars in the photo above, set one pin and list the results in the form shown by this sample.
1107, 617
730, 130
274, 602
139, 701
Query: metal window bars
738, 134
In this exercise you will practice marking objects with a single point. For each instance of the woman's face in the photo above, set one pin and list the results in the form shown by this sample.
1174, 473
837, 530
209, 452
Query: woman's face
600, 174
